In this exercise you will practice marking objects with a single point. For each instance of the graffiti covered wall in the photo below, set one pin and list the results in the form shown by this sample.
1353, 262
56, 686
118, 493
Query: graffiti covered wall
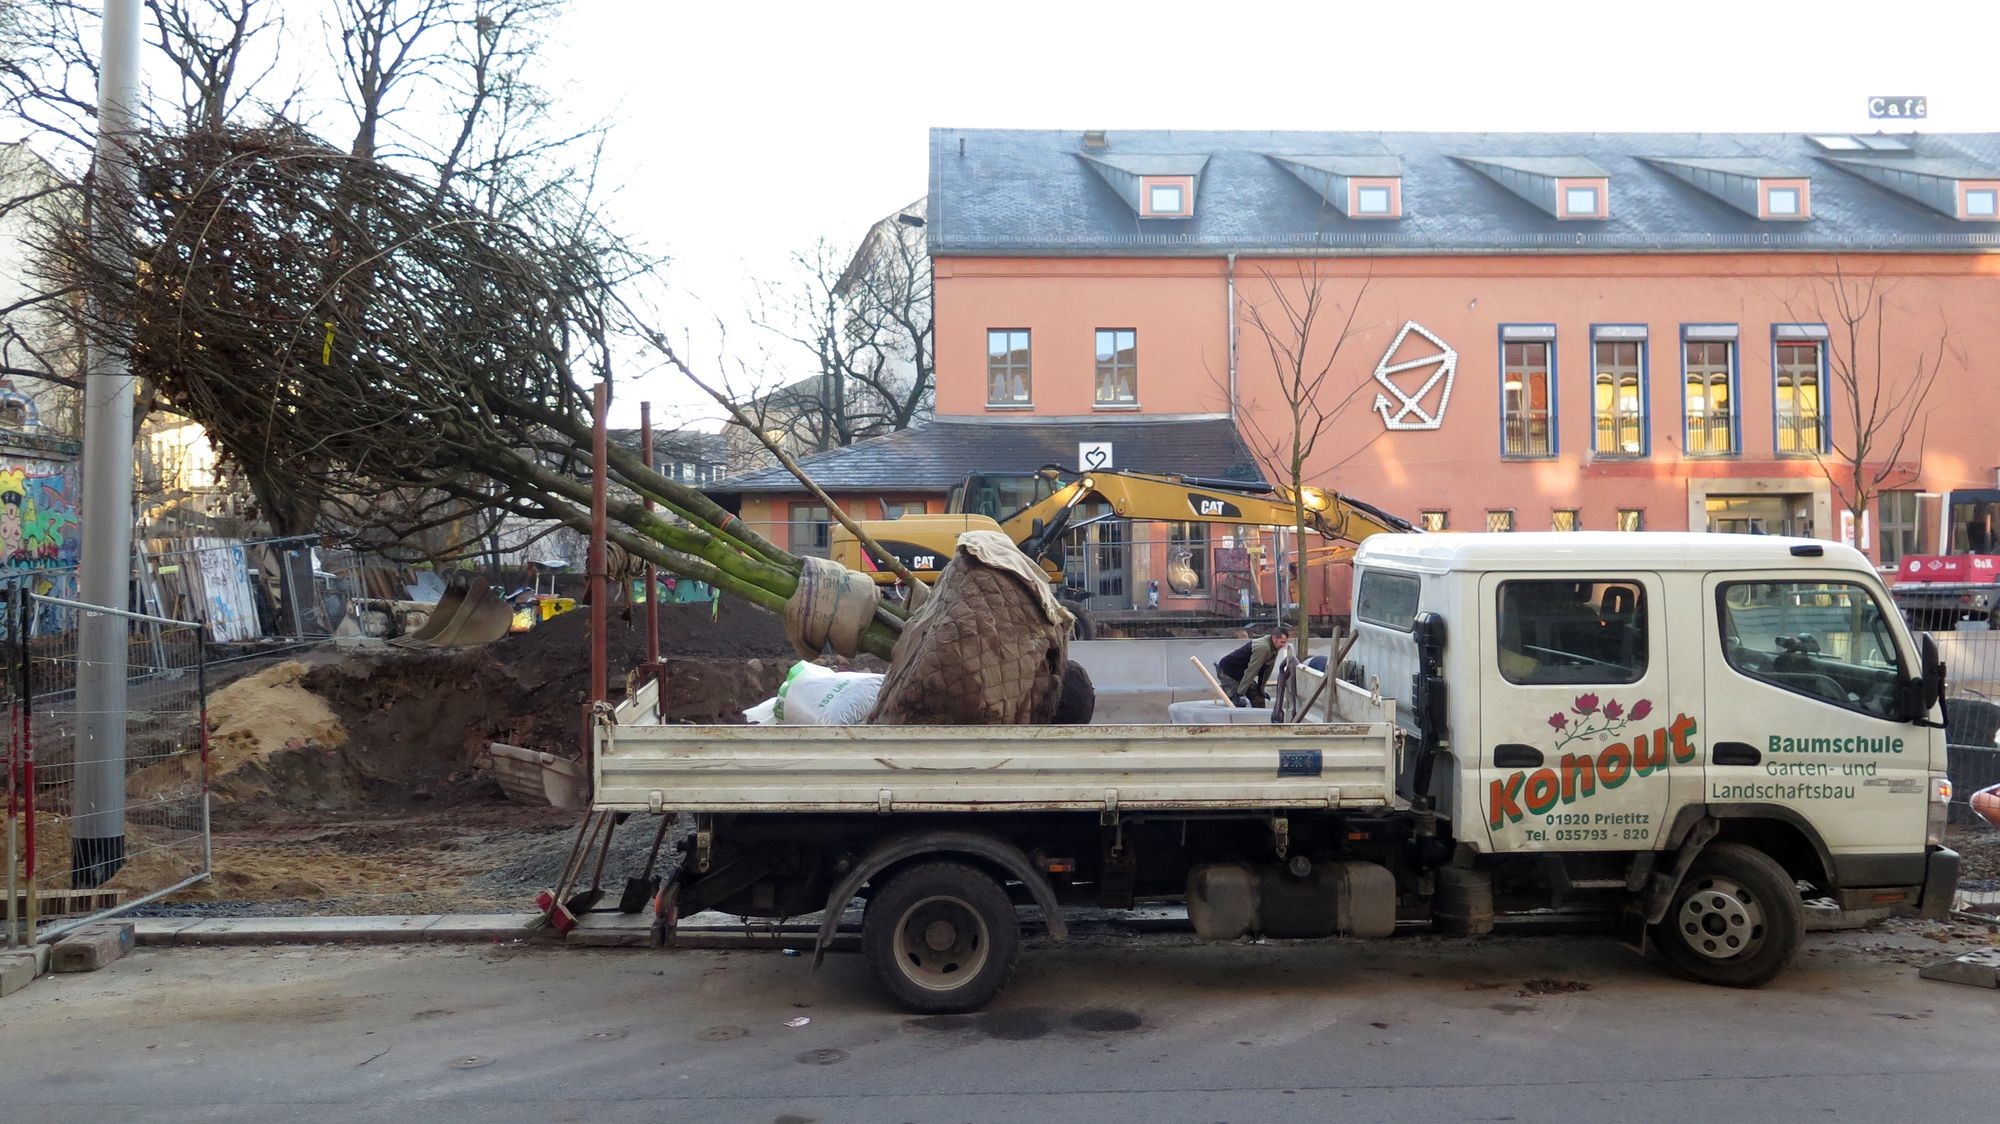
39, 493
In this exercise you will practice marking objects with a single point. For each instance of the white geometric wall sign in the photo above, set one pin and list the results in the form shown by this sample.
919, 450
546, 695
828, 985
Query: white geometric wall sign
1093, 455
1408, 410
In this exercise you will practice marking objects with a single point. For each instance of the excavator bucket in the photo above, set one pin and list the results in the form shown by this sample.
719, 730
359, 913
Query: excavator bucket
470, 612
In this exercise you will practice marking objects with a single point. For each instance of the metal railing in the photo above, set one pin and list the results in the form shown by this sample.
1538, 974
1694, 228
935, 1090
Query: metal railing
1527, 434
89, 833
1620, 434
1711, 431
1799, 432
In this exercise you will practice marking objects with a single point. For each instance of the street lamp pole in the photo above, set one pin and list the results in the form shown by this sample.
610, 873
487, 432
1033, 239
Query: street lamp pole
97, 834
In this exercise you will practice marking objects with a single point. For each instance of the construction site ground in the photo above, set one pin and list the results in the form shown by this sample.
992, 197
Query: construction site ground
345, 779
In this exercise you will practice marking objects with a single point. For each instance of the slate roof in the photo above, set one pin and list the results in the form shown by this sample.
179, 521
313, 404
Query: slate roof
936, 456
1757, 167
1569, 167
1024, 192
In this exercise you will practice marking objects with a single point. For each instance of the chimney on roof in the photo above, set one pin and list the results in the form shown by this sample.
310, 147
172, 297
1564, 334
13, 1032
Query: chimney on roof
1094, 138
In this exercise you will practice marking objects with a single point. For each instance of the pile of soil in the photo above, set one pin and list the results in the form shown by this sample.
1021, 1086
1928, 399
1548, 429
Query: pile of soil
259, 714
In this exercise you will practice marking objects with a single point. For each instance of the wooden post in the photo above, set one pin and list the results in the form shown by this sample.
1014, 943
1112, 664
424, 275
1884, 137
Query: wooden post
652, 573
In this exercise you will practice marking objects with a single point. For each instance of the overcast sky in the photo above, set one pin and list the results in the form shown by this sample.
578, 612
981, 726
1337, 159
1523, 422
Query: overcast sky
746, 130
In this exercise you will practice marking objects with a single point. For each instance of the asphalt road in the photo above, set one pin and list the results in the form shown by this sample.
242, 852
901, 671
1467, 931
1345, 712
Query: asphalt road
1537, 1028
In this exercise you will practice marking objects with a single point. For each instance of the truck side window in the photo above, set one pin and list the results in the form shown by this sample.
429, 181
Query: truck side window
1585, 630
1824, 640
1388, 598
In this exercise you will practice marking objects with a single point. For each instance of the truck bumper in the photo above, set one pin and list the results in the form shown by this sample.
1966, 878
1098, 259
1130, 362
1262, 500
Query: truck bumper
1940, 883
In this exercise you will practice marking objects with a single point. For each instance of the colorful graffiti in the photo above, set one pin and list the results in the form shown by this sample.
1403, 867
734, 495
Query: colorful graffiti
38, 520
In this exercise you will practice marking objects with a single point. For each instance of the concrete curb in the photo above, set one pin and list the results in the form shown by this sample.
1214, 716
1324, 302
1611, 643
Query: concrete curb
430, 928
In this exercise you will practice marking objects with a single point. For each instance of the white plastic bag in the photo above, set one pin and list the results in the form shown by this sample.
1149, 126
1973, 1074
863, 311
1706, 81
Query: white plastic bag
763, 714
812, 695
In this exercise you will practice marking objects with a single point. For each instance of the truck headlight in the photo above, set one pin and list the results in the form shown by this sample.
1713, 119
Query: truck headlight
1939, 810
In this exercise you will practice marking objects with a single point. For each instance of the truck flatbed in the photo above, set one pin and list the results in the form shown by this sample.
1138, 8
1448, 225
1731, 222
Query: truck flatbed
644, 766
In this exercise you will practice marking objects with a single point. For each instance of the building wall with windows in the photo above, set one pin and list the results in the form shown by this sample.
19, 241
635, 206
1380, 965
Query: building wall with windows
1644, 330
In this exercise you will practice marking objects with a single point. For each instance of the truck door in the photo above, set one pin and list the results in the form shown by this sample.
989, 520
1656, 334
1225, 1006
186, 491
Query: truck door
1577, 722
1803, 671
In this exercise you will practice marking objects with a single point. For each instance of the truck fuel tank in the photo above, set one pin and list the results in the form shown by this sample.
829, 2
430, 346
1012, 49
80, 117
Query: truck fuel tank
1351, 899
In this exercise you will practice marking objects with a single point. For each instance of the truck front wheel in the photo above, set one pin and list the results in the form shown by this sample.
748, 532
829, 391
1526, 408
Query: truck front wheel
941, 938
1736, 920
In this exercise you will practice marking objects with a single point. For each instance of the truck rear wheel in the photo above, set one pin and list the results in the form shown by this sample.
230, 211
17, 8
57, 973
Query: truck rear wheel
1736, 919
941, 938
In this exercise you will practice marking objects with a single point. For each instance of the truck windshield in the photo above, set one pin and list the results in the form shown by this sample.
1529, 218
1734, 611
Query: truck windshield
1975, 522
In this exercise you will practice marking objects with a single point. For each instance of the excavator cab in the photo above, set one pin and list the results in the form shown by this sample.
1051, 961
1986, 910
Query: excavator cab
1001, 496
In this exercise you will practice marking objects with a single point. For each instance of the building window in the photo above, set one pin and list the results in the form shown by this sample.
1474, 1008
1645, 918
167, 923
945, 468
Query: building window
807, 532
1782, 202
1499, 521
1434, 520
1165, 199
1524, 400
1982, 203
1897, 521
1800, 424
1187, 557
1008, 382
1566, 519
1711, 407
1619, 399
1631, 519
1371, 200
1580, 202
1117, 367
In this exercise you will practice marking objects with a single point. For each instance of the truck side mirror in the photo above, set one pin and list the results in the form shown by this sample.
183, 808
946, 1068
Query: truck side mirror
1933, 673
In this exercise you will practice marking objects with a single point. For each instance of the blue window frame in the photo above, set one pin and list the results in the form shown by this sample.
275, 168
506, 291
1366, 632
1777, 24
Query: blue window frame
1620, 391
1711, 415
1528, 416
1799, 422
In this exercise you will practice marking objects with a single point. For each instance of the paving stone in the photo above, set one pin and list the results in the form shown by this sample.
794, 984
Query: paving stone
91, 947
1974, 969
611, 930
160, 930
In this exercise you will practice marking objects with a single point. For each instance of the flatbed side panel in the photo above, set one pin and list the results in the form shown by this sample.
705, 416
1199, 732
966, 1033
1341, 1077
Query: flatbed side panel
1014, 768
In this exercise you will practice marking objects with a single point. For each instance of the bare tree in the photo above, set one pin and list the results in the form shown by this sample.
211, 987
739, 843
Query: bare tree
1881, 410
1304, 325
865, 319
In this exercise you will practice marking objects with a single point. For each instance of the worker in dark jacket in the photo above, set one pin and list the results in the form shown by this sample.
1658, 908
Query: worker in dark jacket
1244, 671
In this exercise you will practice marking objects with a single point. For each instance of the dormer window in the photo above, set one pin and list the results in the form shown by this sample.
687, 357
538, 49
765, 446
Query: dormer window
1371, 200
1782, 202
1580, 199
1165, 199
1982, 202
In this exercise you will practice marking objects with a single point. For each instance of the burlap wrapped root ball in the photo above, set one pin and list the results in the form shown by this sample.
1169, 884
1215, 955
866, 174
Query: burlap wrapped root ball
988, 648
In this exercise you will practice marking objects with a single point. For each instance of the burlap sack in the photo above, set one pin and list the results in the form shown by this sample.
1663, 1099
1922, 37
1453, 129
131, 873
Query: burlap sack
987, 648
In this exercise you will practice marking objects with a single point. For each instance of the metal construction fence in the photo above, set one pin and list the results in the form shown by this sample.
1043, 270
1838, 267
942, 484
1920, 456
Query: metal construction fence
1972, 714
90, 830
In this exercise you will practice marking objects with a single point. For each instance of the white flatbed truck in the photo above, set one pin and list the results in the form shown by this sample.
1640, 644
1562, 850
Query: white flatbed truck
1674, 729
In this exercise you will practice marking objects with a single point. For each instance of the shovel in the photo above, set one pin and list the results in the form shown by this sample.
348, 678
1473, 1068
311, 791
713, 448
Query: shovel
639, 891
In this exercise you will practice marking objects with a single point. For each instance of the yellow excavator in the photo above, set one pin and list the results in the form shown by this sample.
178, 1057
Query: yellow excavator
1035, 509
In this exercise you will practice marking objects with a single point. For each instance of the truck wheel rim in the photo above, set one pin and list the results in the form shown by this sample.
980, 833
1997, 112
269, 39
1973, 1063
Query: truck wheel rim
1721, 920
941, 943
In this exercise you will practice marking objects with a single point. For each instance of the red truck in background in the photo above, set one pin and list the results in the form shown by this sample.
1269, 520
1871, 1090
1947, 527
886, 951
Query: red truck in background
1957, 588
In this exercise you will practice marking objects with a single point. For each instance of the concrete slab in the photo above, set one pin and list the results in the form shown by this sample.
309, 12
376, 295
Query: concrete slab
308, 930
1973, 969
482, 927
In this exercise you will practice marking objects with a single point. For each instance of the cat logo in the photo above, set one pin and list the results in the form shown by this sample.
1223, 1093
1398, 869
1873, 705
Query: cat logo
923, 562
1208, 507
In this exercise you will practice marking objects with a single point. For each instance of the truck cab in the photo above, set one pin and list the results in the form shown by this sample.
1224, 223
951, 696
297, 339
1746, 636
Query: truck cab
1620, 701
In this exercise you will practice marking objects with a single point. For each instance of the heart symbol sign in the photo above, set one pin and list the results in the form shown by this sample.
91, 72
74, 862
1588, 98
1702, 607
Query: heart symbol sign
1094, 455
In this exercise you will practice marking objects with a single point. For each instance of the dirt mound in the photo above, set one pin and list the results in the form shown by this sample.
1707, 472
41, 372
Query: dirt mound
255, 716
561, 645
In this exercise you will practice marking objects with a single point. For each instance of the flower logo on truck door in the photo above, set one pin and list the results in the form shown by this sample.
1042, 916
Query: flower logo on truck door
1578, 776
